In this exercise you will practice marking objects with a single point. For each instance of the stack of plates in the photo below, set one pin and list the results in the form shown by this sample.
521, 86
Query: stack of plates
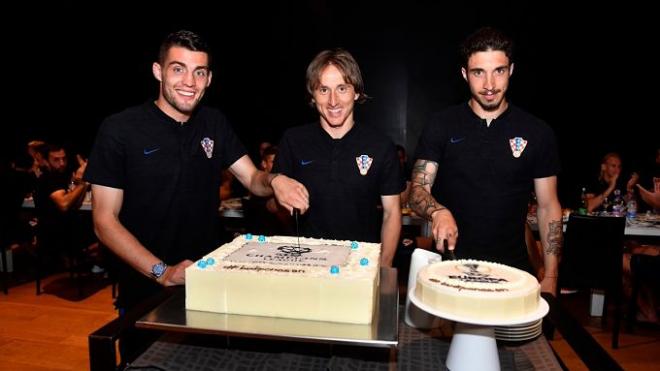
525, 331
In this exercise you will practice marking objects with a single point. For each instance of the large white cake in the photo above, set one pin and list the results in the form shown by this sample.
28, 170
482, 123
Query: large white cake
325, 280
478, 290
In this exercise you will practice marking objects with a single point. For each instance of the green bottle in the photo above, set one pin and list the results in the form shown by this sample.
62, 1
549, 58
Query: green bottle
583, 202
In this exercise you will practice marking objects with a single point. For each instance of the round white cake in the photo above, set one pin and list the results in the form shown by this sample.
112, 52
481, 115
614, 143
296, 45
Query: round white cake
478, 290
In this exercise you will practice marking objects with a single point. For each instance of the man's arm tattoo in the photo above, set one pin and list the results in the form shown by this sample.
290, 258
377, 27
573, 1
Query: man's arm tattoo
423, 176
555, 238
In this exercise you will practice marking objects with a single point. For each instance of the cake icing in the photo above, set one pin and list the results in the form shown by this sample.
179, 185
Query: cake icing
325, 280
478, 289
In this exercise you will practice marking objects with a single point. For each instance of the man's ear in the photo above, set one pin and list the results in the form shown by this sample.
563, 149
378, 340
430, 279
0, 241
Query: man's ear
511, 69
157, 71
357, 96
464, 73
210, 78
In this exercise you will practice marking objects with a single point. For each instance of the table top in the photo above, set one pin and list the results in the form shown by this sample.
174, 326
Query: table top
539, 313
28, 203
417, 350
382, 332
634, 227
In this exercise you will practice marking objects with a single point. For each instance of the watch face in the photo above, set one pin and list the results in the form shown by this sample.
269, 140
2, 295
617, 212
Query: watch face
158, 269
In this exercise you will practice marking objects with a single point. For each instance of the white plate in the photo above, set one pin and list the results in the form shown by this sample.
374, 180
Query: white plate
521, 329
518, 337
652, 218
541, 311
529, 325
518, 333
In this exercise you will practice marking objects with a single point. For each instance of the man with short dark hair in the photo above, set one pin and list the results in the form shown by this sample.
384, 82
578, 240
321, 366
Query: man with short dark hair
57, 198
481, 160
156, 170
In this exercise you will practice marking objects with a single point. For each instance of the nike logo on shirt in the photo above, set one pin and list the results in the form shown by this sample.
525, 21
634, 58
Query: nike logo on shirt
147, 152
453, 140
305, 163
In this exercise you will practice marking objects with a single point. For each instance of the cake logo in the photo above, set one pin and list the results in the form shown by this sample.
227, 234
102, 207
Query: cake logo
472, 272
289, 254
473, 269
517, 145
364, 163
207, 145
294, 250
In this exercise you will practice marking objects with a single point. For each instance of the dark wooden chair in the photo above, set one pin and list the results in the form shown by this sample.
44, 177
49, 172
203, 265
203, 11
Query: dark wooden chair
592, 259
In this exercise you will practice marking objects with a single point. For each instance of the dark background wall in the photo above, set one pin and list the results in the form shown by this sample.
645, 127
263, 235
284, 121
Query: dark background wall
69, 65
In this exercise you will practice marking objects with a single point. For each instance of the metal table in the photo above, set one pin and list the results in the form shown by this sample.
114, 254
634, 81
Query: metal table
171, 315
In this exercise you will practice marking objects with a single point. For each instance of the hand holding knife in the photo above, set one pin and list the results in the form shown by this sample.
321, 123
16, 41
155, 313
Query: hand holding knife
448, 254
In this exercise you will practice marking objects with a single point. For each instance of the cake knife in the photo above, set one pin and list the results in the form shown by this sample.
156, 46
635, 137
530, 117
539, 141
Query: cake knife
296, 213
448, 254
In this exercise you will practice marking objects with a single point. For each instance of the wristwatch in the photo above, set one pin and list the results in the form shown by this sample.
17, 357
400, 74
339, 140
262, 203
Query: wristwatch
158, 270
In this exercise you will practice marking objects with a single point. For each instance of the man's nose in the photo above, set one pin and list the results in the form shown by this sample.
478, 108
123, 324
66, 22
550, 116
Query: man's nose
189, 79
489, 82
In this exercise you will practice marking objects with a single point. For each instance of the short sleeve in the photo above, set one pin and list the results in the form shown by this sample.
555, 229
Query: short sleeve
106, 161
431, 144
283, 160
547, 161
392, 181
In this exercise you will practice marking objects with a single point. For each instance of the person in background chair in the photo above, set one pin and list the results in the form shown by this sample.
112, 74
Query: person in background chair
651, 194
608, 181
57, 199
265, 216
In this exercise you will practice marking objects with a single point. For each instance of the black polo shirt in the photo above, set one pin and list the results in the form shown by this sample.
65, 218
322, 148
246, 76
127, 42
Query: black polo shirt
599, 186
343, 200
482, 181
55, 226
170, 174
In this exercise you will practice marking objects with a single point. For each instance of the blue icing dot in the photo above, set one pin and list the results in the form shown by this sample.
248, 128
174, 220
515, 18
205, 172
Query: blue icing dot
248, 236
364, 262
201, 264
210, 261
262, 238
354, 245
334, 269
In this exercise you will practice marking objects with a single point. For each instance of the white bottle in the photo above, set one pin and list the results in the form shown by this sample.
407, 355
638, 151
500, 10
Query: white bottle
632, 208
617, 204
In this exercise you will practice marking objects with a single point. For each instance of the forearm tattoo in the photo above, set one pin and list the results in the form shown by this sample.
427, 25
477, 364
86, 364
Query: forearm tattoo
423, 176
555, 238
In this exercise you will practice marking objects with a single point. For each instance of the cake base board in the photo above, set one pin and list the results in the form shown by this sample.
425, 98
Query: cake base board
383, 332
540, 312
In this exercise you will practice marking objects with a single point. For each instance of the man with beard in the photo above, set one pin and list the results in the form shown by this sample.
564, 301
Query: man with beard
348, 168
58, 196
156, 170
481, 160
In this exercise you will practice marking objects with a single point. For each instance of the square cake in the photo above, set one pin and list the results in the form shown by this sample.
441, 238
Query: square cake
323, 280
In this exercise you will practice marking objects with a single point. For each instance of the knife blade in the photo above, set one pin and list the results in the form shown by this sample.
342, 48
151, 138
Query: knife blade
296, 214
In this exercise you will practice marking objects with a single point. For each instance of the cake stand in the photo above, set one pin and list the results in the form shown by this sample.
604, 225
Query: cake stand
473, 345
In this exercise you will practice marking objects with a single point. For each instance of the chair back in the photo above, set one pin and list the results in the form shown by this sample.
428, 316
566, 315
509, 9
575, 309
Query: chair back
592, 253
